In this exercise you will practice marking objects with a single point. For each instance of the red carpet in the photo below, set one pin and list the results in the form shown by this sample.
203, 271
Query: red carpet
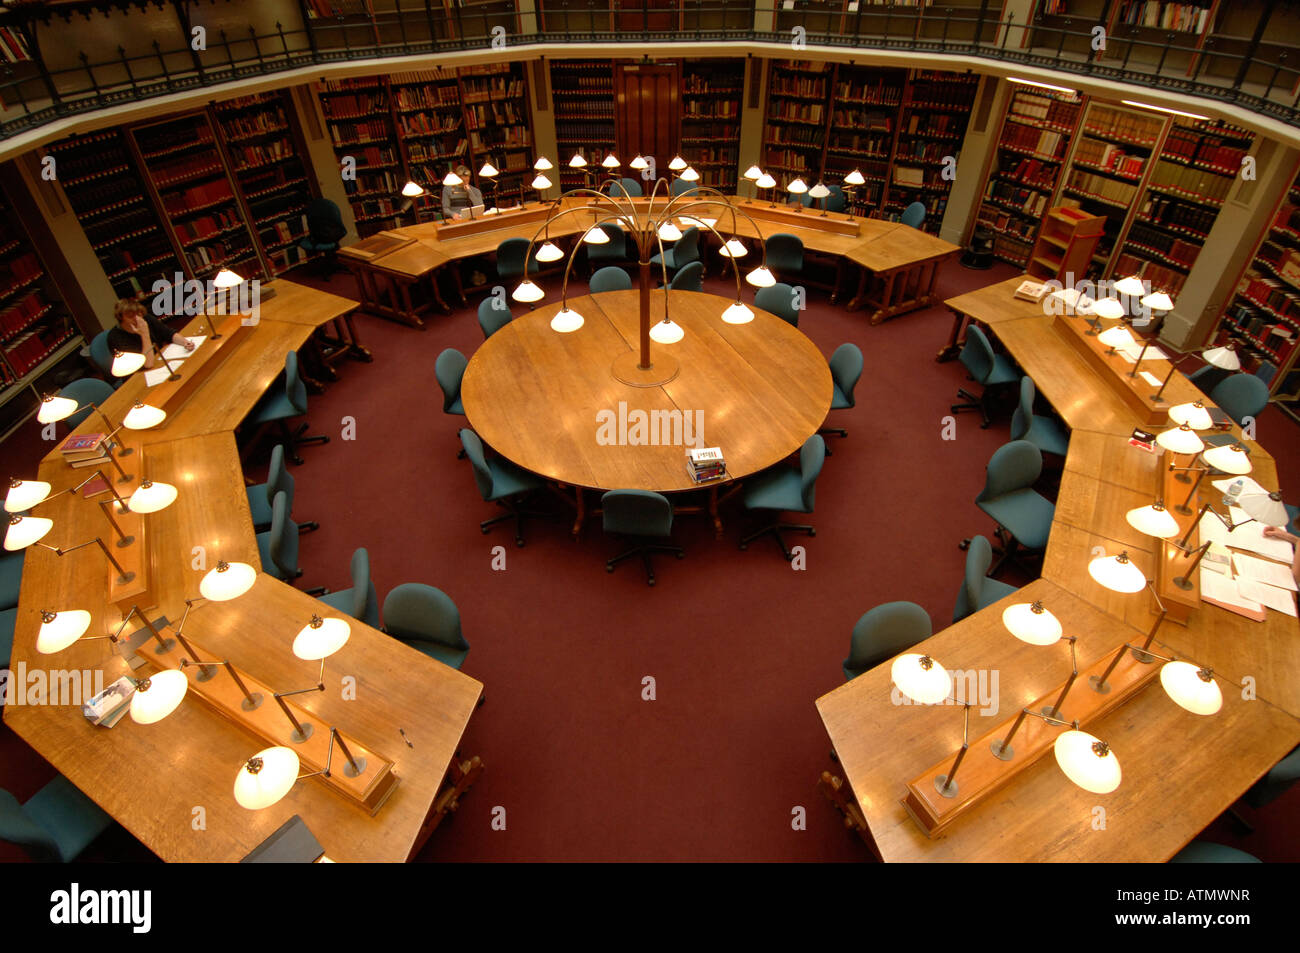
738, 644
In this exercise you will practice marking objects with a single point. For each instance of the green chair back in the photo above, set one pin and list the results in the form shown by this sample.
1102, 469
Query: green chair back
448, 370
1013, 466
636, 513
846, 369
884, 632
610, 278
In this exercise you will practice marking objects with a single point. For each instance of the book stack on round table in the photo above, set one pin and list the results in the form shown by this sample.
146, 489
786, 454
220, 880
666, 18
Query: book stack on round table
705, 464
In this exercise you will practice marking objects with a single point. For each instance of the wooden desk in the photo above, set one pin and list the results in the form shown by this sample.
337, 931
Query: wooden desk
760, 389
903, 263
150, 778
991, 305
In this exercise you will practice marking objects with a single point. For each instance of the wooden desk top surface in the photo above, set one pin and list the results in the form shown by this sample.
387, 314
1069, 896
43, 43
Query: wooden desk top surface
760, 389
900, 247
151, 777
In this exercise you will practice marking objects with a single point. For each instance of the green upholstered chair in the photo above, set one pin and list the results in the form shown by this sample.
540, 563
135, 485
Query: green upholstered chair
1045, 433
689, 277
977, 589
427, 620
987, 368
1240, 396
361, 601
682, 187
624, 187
642, 514
449, 371
614, 250
85, 391
1023, 516
492, 316
510, 259
1208, 377
778, 299
1204, 852
1272, 785
281, 405
101, 355
262, 496
784, 255
914, 215
11, 577
8, 619
787, 489
278, 546
846, 369
884, 632
610, 278
55, 825
684, 251
499, 481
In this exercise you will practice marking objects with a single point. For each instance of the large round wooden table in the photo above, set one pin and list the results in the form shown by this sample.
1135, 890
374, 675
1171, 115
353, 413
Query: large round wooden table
549, 402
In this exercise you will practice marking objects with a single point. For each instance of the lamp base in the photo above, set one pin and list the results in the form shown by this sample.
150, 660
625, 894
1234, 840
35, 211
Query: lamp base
1049, 712
298, 736
1098, 686
627, 369
1143, 657
351, 771
944, 786
1183, 583
252, 704
1001, 752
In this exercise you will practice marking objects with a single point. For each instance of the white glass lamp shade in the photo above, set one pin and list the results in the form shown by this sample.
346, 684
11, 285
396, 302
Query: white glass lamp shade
411, 190
677, 164
24, 494
854, 178
1194, 415
227, 581
489, 171
151, 496
753, 173
639, 163
55, 408
1185, 684
577, 162
669, 232
920, 678
566, 321
60, 629
1131, 286
266, 777
320, 638
126, 362
549, 252
541, 182
667, 331
1159, 301
734, 248
737, 314
1232, 458
1267, 508
761, 277
158, 696
1108, 308
451, 178
142, 416
543, 164
819, 191
1087, 762
25, 530
1154, 520
226, 278
1117, 573
1031, 623
596, 236
797, 187
690, 175
1182, 439
610, 161
527, 292
1224, 357
1118, 336
766, 181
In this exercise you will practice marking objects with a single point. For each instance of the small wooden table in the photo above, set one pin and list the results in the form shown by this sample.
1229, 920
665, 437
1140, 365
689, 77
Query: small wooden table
534, 395
903, 263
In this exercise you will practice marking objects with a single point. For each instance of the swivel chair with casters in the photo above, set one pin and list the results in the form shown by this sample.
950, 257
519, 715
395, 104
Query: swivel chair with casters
614, 250
787, 489
55, 825
427, 620
279, 407
623, 188
500, 481
510, 259
1241, 395
449, 371
684, 251
785, 255
278, 546
642, 514
492, 317
846, 369
361, 601
914, 215
261, 498
778, 299
689, 277
102, 357
1043, 432
884, 632
987, 368
1023, 516
978, 590
325, 230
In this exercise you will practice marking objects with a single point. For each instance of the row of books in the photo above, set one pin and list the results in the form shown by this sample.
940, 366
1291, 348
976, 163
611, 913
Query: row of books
173, 137
13, 46
31, 347
203, 256
374, 156
1168, 279
711, 108
873, 143
1012, 249
1182, 17
417, 97
478, 115
205, 226
184, 170
422, 76
922, 149
1028, 201
943, 91
1254, 322
1170, 211
1033, 172
802, 112
20, 314
178, 203
1013, 225
358, 104
935, 124
1193, 147
1099, 186
282, 231
263, 153
795, 136
885, 91
1116, 124
146, 248
1042, 141
499, 87
1175, 249
249, 124
1284, 261
1193, 183
1108, 156
422, 124
585, 131
343, 134
798, 85
1271, 293
381, 180
24, 266
1044, 109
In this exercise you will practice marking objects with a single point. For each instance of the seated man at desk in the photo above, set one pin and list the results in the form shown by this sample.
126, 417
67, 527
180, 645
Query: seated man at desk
456, 198
135, 325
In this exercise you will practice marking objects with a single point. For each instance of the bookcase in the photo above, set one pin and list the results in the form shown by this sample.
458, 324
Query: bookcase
1197, 165
1078, 16
794, 136
431, 125
104, 186
1065, 244
495, 99
1263, 315
1036, 132
711, 97
932, 125
361, 127
863, 129
582, 94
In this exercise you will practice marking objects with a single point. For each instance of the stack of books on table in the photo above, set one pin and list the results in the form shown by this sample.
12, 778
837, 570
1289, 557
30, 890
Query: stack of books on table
705, 464
86, 449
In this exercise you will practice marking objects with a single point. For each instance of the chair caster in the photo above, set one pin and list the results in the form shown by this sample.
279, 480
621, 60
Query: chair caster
744, 545
318, 591
650, 581
519, 541
812, 532
964, 544
483, 529
609, 567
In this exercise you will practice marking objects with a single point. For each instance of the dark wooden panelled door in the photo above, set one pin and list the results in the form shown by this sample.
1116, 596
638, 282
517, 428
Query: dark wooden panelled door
648, 105
654, 16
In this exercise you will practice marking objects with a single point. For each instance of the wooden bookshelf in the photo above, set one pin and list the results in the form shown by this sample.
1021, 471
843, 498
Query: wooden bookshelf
794, 135
1065, 244
105, 189
495, 102
1037, 128
582, 94
1196, 166
864, 127
430, 127
711, 104
360, 120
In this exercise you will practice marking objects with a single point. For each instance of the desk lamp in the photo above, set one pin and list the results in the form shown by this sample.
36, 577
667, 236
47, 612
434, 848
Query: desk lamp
1105, 308
54, 408
489, 172
270, 774
852, 180
25, 494
1032, 623
1266, 508
318, 639
1231, 459
689, 175
920, 678
1184, 441
819, 192
766, 181
797, 188
1116, 337
753, 174
126, 363
227, 279
1224, 358
1119, 574
677, 164
1131, 287
1087, 761
158, 696
1193, 414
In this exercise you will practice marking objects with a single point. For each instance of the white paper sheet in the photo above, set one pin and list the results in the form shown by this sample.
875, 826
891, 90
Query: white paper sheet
155, 376
1263, 570
1250, 537
1150, 378
1248, 485
1223, 589
174, 352
1271, 596
1131, 352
